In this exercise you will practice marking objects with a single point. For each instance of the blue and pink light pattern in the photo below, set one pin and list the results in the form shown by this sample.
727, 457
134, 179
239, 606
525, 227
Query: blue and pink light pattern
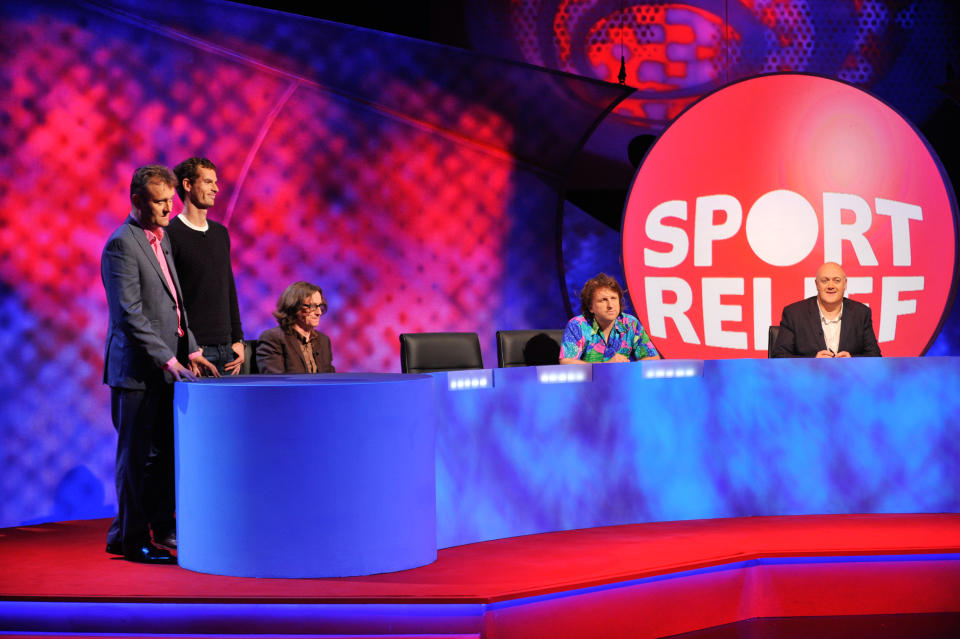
674, 52
406, 179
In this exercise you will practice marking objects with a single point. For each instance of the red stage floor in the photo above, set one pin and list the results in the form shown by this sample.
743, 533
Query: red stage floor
679, 576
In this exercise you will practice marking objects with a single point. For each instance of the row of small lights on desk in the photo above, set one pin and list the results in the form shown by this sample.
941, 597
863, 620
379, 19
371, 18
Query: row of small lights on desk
578, 374
470, 379
463, 384
659, 372
557, 374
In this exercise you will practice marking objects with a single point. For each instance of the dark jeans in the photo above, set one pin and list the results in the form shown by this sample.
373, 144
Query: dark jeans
219, 355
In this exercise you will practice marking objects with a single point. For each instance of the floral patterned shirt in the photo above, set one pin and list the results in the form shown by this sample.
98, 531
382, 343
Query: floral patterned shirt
584, 340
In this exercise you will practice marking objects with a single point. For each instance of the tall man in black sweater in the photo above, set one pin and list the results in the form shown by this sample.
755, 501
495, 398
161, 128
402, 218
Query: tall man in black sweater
201, 253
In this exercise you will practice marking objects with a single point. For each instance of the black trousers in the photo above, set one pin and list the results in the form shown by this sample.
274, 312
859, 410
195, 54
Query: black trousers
145, 478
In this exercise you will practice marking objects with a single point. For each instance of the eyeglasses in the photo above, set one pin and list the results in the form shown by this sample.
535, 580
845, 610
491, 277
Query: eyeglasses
322, 307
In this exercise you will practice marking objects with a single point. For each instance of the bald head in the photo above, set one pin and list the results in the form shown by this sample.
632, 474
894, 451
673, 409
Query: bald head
831, 285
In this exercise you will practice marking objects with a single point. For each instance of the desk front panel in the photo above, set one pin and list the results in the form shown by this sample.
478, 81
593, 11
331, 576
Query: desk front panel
671, 440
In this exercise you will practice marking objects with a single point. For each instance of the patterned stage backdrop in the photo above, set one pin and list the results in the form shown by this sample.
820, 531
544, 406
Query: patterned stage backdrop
417, 184
674, 52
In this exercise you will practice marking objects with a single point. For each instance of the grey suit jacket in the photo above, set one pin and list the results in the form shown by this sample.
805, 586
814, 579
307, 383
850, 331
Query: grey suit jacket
142, 335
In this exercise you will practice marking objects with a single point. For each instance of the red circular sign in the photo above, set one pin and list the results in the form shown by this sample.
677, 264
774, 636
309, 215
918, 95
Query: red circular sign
755, 186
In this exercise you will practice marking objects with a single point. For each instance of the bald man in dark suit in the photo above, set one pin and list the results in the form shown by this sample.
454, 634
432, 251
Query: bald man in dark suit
828, 325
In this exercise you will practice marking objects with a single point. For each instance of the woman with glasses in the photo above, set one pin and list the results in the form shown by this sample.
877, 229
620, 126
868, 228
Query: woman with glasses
296, 346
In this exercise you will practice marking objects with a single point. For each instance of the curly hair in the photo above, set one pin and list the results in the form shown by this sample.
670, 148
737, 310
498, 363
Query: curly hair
290, 302
189, 169
150, 173
601, 280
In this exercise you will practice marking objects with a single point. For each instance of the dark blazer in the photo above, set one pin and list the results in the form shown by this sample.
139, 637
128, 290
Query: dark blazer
142, 335
801, 333
279, 353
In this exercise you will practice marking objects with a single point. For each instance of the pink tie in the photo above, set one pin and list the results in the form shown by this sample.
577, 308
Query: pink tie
155, 238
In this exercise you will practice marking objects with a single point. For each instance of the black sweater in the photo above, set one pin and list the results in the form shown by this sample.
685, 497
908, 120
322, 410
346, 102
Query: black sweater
202, 259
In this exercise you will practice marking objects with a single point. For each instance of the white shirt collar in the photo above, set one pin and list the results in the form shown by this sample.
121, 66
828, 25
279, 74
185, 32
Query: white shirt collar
823, 318
190, 225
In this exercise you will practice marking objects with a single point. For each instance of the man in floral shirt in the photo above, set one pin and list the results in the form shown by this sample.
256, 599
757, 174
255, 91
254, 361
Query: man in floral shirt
603, 333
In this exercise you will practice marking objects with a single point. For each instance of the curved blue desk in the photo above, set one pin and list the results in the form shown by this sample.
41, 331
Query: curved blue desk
332, 475
306, 476
531, 450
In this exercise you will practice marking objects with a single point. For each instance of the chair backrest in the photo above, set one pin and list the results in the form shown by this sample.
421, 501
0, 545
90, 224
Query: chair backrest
432, 352
772, 333
249, 366
528, 347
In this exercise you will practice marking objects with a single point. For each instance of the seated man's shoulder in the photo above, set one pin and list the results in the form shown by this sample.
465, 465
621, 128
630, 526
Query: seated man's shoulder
576, 328
801, 305
854, 304
271, 335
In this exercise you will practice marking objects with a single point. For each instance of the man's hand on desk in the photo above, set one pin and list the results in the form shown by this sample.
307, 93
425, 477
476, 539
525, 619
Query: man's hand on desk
200, 365
181, 373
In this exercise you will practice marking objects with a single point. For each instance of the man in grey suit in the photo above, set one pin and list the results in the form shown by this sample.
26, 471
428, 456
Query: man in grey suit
147, 341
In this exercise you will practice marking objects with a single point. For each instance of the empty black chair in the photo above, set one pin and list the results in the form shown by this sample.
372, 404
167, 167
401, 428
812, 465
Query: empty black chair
772, 333
433, 352
528, 347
